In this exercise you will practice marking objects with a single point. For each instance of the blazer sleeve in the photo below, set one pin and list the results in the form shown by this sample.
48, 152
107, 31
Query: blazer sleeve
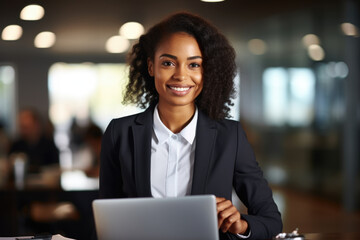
110, 172
263, 216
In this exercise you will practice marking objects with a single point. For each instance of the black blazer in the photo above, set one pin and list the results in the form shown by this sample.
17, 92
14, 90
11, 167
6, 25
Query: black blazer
223, 160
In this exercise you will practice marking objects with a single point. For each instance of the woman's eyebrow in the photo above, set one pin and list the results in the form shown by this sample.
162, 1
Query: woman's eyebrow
175, 58
168, 55
194, 57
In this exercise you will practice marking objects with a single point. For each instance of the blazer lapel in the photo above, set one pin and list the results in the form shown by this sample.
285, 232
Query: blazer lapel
142, 132
205, 139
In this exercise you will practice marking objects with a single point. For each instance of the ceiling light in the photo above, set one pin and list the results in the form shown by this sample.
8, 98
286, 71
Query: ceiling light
45, 40
12, 33
117, 44
131, 30
316, 52
350, 29
32, 12
257, 46
310, 39
212, 0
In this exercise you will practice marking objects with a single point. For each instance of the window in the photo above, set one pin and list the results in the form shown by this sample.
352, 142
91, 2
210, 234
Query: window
288, 96
80, 93
7, 98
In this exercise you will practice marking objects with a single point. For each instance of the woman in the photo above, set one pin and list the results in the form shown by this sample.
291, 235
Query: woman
183, 69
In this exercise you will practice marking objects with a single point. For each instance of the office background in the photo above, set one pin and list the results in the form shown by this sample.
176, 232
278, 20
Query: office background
298, 85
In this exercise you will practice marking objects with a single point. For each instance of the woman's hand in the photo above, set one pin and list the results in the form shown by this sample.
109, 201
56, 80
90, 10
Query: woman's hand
229, 217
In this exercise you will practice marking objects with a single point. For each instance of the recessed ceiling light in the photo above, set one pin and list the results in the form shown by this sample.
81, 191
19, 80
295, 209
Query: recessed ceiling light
32, 12
310, 39
12, 33
45, 40
212, 0
117, 44
350, 29
131, 30
316, 52
257, 46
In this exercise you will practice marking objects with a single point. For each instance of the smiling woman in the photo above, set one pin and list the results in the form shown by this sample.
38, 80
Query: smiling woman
183, 71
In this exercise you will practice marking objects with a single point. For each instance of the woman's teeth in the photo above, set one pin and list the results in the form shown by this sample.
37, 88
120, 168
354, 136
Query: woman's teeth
180, 89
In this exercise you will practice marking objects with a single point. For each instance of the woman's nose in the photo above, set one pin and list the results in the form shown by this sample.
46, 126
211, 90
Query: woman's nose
180, 73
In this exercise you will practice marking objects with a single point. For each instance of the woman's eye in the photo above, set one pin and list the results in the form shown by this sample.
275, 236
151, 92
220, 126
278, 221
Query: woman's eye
194, 65
167, 63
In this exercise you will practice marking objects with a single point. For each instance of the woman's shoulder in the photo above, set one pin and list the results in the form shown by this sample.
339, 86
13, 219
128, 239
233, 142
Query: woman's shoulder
125, 120
230, 127
130, 117
224, 125
228, 123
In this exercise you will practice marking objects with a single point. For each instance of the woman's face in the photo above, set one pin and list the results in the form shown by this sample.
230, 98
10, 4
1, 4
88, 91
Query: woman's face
177, 70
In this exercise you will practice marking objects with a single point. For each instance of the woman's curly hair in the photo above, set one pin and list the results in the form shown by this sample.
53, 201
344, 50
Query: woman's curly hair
219, 68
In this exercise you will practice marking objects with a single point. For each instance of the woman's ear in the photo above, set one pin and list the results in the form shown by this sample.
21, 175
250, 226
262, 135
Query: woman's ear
150, 67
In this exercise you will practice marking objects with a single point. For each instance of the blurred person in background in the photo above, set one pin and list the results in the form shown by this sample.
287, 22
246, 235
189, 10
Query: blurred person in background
34, 142
85, 144
4, 140
93, 136
4, 148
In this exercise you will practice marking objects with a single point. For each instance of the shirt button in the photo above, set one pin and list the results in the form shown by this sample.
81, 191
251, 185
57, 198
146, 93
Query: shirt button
174, 137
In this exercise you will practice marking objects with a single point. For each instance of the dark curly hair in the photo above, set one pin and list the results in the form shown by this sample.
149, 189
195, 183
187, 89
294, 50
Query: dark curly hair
219, 68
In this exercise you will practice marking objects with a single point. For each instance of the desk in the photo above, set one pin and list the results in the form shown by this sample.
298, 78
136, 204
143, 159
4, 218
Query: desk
332, 236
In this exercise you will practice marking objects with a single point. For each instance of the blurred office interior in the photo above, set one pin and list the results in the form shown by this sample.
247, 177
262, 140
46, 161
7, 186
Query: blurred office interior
298, 99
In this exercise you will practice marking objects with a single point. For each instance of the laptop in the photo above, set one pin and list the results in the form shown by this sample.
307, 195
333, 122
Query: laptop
181, 218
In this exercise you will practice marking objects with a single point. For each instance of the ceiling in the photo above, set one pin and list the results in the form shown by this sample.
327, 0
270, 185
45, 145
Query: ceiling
83, 26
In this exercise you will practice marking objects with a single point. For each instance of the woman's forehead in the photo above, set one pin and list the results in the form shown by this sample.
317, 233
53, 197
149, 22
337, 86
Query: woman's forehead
178, 42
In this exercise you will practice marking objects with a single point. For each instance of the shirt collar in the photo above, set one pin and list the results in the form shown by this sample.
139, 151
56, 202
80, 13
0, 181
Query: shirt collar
162, 133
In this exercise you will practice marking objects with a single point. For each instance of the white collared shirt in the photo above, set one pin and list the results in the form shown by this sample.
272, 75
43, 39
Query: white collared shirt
172, 158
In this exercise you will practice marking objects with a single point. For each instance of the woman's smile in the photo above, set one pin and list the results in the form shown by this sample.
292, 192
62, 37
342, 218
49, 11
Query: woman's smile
179, 90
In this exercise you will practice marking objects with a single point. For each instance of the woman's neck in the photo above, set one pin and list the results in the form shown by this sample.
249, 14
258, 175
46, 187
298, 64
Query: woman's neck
175, 118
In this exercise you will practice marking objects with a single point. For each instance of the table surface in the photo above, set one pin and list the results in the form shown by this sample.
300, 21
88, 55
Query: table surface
332, 236
70, 180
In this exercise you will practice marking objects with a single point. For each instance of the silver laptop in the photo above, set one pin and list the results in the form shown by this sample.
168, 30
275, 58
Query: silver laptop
183, 218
